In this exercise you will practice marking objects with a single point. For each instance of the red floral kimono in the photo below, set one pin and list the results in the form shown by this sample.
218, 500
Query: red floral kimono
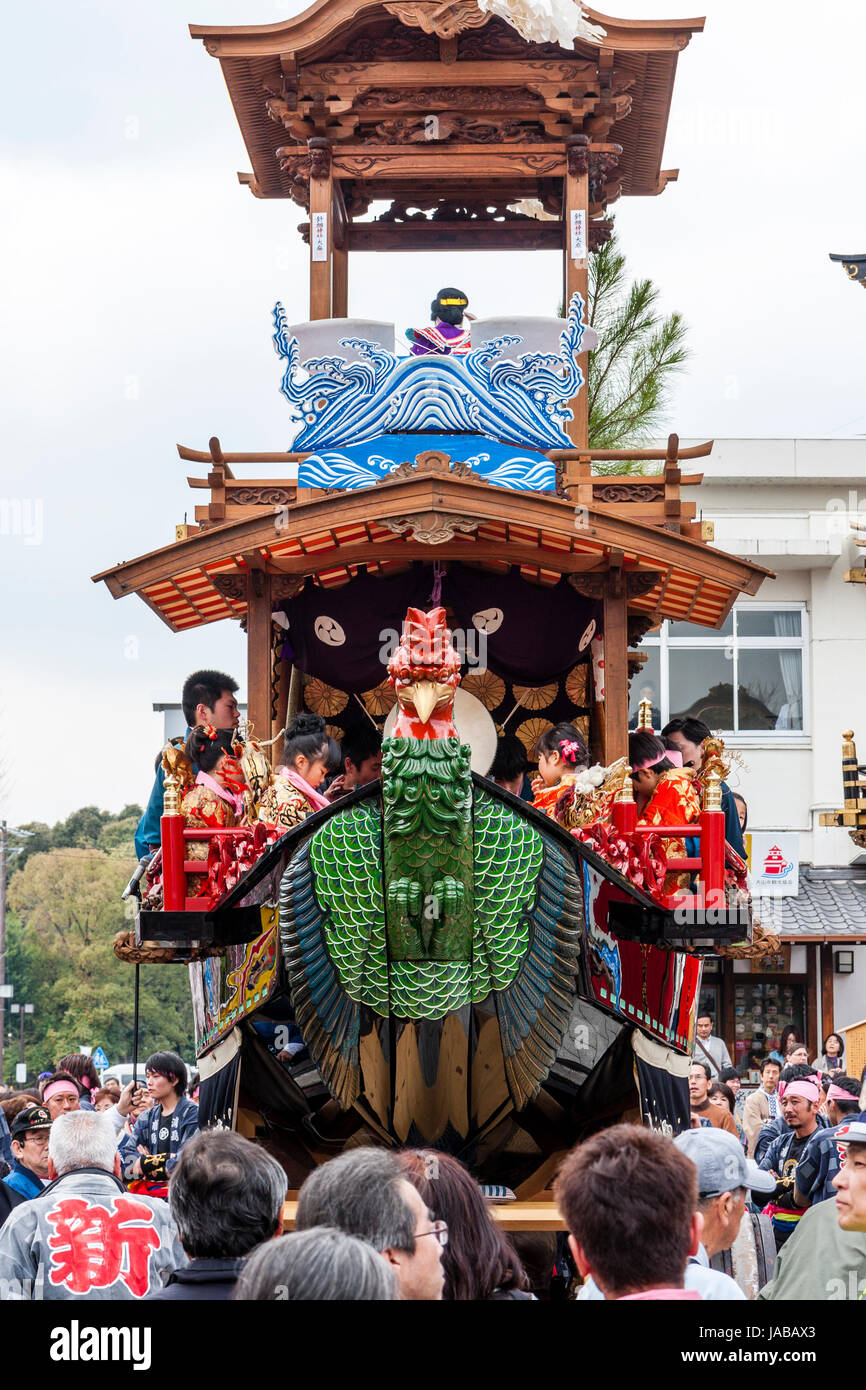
674, 802
206, 808
546, 799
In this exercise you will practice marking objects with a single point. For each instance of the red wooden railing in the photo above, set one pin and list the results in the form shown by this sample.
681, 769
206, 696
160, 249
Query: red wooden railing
709, 830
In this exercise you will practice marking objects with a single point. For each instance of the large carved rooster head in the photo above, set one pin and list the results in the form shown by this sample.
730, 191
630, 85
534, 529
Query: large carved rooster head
425, 672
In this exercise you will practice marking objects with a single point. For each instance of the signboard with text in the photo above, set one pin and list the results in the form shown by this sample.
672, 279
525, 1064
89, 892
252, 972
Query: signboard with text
775, 863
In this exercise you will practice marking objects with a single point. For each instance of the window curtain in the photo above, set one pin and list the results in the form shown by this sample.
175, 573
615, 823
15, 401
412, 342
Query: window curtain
790, 663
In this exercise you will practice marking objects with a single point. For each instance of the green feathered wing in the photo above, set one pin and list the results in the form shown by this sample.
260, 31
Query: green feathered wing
525, 930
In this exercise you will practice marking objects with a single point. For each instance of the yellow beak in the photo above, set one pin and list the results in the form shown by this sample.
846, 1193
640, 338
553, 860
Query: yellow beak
425, 696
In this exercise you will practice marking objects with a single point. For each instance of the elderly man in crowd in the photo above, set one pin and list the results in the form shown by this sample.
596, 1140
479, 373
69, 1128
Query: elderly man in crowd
629, 1199
30, 1130
86, 1236
363, 1193
226, 1196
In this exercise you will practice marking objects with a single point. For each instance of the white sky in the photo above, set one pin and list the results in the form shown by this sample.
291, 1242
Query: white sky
139, 280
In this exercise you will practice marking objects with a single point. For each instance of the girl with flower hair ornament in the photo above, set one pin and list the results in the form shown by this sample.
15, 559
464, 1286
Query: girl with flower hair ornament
561, 754
664, 793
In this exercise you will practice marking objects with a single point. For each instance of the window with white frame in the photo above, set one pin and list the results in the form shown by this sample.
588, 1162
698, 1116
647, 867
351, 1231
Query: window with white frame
748, 678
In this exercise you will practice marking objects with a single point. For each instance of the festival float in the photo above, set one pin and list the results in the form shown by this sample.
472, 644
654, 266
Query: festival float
438, 554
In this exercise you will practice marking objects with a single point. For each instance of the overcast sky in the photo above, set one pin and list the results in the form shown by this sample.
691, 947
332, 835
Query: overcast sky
139, 280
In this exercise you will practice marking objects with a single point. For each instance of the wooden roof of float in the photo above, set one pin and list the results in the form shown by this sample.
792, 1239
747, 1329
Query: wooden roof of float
363, 74
433, 511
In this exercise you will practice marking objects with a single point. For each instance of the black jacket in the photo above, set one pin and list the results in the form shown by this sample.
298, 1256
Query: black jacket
200, 1280
9, 1200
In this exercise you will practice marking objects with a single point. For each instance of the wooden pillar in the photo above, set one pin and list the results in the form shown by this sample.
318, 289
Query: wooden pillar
340, 301
615, 666
321, 227
259, 650
340, 272
576, 261
812, 1038
828, 1024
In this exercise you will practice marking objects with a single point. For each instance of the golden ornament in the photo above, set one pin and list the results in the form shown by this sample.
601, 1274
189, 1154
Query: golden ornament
575, 685
486, 687
536, 696
530, 731
324, 699
380, 699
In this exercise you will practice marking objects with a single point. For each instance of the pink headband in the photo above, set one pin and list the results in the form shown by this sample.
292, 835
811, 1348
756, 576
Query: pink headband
837, 1093
55, 1088
673, 757
807, 1089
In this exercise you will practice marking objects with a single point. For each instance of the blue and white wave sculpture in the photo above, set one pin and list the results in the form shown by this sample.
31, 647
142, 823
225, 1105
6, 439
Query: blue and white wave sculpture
513, 400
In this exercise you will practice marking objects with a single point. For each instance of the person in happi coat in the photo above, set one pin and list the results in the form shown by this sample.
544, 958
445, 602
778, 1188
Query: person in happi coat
149, 1154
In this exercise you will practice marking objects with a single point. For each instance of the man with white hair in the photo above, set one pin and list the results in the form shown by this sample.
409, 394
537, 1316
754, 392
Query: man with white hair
86, 1236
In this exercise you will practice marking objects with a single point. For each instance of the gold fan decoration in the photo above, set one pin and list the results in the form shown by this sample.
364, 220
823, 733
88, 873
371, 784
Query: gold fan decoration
334, 731
575, 685
530, 731
536, 696
486, 687
324, 699
380, 699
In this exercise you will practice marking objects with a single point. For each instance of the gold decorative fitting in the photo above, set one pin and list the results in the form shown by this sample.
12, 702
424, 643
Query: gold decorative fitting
171, 796
626, 792
712, 797
645, 715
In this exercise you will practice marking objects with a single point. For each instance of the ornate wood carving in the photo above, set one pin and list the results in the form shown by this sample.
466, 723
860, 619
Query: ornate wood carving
497, 163
433, 129
642, 582
320, 157
446, 20
638, 626
628, 492
296, 166
397, 46
431, 528
577, 153
262, 496
461, 98
589, 585
499, 40
430, 461
604, 185
285, 586
231, 586
599, 232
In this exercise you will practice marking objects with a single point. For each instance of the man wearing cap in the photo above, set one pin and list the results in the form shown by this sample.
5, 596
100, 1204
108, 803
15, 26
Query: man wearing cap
821, 1158
850, 1181
30, 1130
61, 1093
800, 1102
725, 1177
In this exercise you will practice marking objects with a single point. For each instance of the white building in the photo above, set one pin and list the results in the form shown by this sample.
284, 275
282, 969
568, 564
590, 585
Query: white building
783, 679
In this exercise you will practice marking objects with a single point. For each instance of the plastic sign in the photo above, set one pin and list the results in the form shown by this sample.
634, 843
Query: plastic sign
20, 1073
98, 1058
775, 861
